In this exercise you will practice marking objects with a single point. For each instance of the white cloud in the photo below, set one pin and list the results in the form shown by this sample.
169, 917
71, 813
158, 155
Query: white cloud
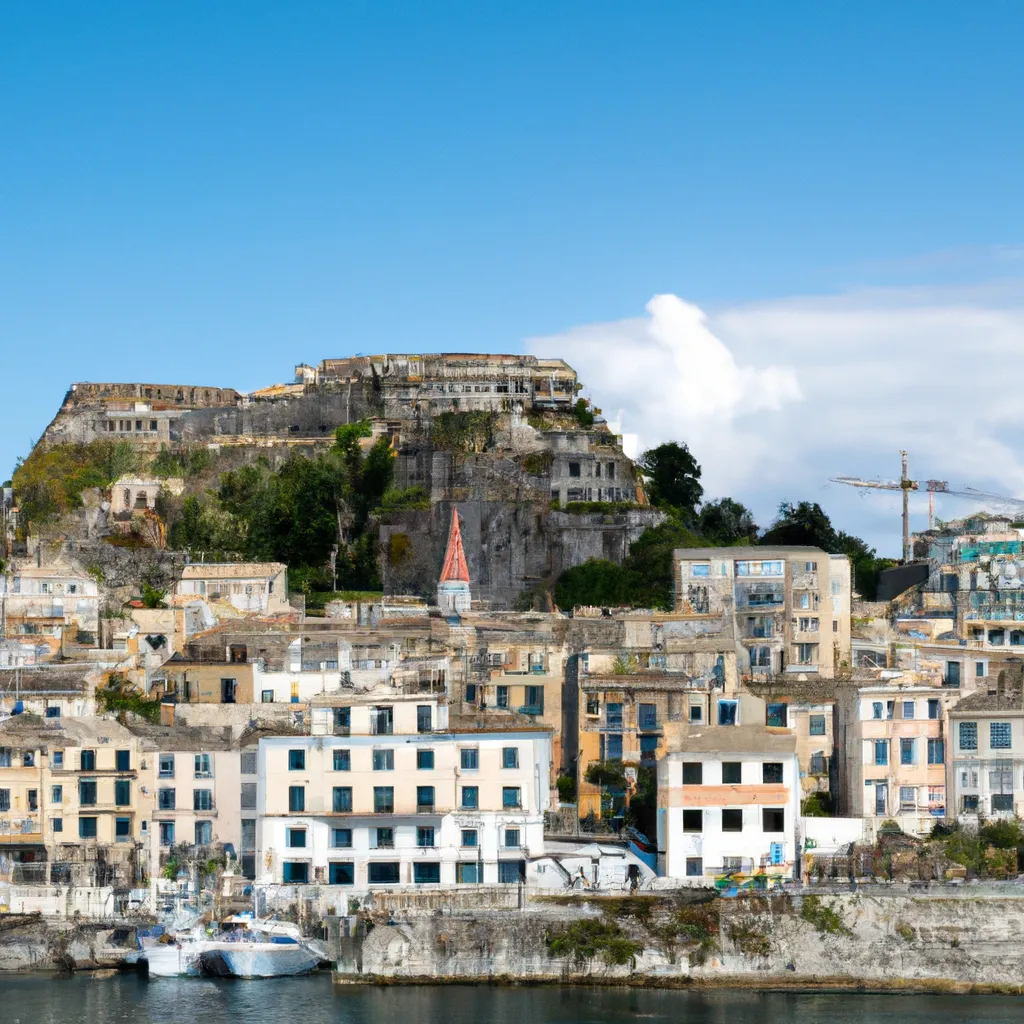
775, 398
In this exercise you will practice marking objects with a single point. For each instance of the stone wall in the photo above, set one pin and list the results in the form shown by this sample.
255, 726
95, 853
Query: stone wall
945, 941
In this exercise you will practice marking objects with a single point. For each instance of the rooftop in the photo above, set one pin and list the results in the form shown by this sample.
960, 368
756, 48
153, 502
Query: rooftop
230, 570
1010, 701
736, 739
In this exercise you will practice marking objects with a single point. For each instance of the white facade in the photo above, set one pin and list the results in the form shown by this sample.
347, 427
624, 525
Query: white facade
408, 807
258, 588
720, 812
49, 593
986, 772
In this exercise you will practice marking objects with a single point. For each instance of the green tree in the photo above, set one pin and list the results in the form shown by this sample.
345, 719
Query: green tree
725, 521
804, 524
673, 476
595, 582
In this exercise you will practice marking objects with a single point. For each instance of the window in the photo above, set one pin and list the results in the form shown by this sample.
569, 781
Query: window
771, 772
165, 799
470, 693
574, 469
87, 792
296, 837
341, 872
166, 766
876, 709
166, 833
509, 757
296, 799
881, 751
511, 839
908, 709
58, 758
470, 797
732, 819
297, 760
732, 773
426, 872
57, 824
122, 793
611, 747
510, 871
727, 712
342, 721
33, 799
470, 837
809, 624
384, 799
535, 697
203, 770
816, 764
693, 773
425, 759
382, 872
999, 735
693, 820
696, 713
469, 758
952, 673
816, 725
57, 795
228, 689
202, 800
267, 696
511, 796
908, 798
776, 716
613, 716
87, 761
247, 796
968, 733
382, 838
341, 800
700, 570
773, 819
424, 721
424, 836
425, 799
342, 760
934, 709
936, 751
86, 828
1002, 802
467, 872
382, 720
806, 654
384, 760
694, 867
5, 799
969, 804
295, 872
907, 751
979, 669
341, 838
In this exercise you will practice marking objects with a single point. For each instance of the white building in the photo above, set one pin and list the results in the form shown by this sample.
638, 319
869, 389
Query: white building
728, 801
395, 795
986, 770
254, 588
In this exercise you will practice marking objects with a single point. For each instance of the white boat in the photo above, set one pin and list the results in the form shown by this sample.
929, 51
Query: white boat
242, 948
247, 948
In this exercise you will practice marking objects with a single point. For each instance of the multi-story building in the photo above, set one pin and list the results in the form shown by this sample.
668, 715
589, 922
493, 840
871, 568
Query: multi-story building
785, 606
76, 787
249, 588
393, 793
197, 783
890, 750
728, 801
986, 763
48, 604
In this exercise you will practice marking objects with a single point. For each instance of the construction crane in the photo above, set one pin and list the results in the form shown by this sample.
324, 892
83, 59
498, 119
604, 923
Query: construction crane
933, 487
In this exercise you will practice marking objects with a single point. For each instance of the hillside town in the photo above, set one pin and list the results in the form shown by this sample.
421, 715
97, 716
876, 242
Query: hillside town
181, 729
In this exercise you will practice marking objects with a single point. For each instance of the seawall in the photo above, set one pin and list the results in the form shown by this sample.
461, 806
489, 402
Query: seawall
943, 942
29, 942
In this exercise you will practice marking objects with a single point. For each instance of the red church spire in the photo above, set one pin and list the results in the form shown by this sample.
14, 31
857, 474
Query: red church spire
455, 569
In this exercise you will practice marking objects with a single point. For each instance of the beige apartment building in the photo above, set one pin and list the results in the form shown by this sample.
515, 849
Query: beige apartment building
396, 793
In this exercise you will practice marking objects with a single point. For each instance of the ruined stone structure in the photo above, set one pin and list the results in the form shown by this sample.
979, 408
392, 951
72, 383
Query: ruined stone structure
493, 437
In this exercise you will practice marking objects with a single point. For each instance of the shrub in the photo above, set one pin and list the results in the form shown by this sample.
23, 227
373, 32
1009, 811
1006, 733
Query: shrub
824, 918
566, 788
584, 941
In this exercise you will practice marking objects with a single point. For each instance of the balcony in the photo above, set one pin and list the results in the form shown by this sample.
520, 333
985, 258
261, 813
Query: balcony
20, 830
426, 808
533, 710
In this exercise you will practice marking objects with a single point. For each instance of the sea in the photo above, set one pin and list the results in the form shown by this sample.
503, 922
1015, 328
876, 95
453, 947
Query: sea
84, 999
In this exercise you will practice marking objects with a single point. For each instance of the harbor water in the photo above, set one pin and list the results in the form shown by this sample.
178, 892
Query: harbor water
81, 999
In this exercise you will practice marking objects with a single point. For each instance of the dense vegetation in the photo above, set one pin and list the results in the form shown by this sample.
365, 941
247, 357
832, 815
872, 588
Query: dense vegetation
644, 579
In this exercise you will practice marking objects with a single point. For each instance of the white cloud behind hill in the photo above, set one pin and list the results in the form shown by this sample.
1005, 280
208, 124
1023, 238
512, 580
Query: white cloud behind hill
774, 398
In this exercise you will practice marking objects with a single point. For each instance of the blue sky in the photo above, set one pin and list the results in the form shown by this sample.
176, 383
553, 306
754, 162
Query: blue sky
210, 193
